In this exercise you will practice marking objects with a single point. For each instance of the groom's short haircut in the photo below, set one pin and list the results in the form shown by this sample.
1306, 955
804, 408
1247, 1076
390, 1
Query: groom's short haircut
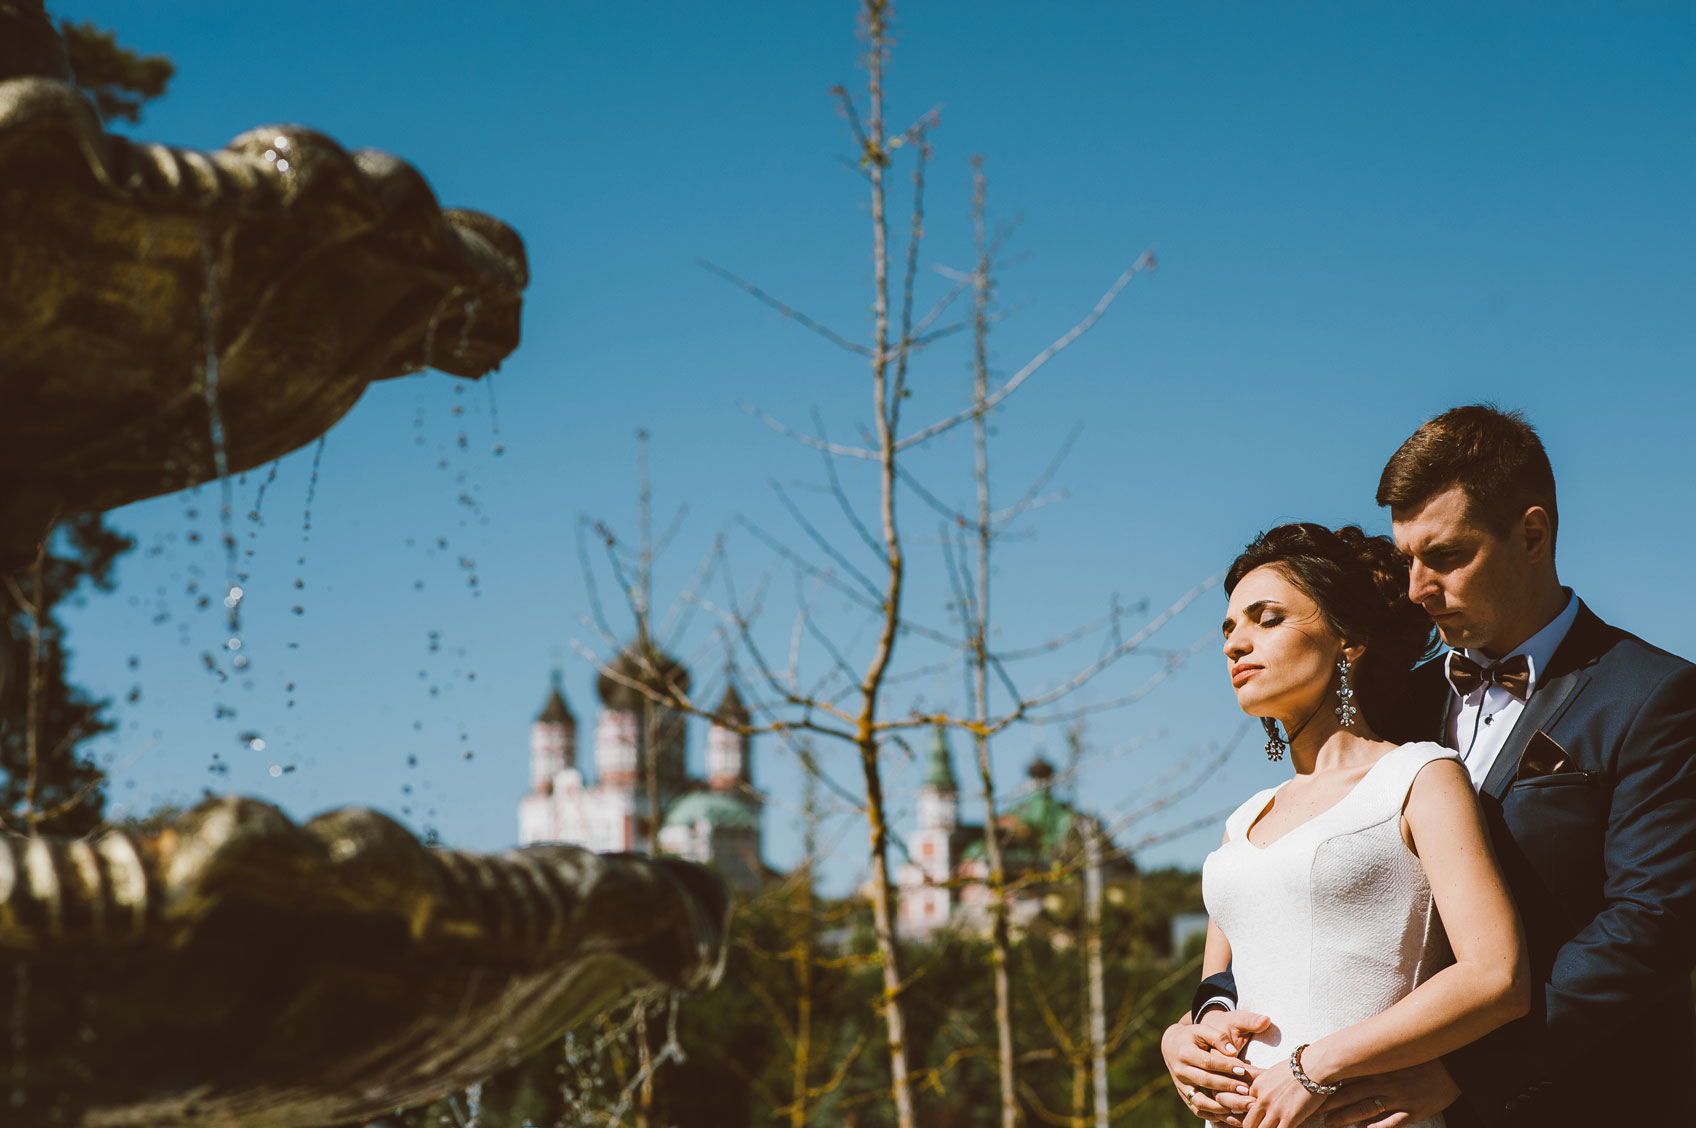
1494, 455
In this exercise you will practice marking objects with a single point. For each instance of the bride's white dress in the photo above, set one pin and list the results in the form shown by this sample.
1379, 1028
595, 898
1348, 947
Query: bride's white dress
1333, 922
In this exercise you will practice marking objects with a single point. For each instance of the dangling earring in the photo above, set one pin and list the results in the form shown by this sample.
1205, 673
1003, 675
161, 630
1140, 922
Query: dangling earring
1274, 743
1346, 711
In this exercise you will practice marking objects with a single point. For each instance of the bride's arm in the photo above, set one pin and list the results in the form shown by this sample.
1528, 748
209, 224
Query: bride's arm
1216, 957
1202, 1056
1487, 986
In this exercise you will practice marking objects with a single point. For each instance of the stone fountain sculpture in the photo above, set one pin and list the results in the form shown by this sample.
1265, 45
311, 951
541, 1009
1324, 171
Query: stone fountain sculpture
150, 295
167, 316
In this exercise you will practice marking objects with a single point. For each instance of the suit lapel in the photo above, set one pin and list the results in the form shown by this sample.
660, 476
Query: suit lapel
1547, 702
1568, 673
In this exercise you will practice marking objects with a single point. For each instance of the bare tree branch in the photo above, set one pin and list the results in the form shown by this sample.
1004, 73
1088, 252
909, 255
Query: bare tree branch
804, 439
841, 495
823, 542
1128, 646
791, 313
1145, 261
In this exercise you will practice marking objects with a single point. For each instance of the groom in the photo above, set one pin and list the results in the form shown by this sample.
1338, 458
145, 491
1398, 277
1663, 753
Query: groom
1581, 739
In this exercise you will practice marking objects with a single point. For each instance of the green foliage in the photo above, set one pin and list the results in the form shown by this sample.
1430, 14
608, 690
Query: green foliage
742, 1040
37, 705
119, 80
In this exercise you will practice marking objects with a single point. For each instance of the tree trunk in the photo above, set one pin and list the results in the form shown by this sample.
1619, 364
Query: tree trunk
887, 407
1097, 992
1000, 943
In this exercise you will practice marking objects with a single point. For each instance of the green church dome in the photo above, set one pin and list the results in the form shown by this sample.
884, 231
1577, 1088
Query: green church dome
716, 808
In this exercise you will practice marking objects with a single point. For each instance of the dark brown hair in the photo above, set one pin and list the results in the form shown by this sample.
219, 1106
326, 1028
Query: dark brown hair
1360, 585
1493, 455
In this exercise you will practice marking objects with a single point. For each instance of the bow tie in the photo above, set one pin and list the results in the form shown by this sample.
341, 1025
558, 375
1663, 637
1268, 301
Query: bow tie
1512, 674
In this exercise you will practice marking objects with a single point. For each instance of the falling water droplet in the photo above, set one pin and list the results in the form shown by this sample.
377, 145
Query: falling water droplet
258, 497
494, 415
312, 488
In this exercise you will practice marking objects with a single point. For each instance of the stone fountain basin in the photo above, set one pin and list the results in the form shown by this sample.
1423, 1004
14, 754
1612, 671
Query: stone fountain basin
237, 970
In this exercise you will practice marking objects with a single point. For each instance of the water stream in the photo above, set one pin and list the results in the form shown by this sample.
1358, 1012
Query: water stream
220, 459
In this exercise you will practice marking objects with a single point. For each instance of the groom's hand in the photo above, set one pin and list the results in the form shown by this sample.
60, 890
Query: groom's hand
1205, 1061
1389, 1100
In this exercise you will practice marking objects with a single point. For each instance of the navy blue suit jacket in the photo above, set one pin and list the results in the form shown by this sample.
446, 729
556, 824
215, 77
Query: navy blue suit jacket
1601, 861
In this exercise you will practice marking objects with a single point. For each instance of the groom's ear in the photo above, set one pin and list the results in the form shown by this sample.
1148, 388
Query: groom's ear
1539, 534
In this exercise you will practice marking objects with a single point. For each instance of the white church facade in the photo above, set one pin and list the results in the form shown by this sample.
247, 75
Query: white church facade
945, 882
716, 821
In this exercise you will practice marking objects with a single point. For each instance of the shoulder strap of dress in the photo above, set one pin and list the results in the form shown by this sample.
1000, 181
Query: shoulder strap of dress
1236, 826
1383, 793
1403, 765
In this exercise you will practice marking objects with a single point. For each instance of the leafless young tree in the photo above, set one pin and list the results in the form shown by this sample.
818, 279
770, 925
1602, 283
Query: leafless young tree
850, 701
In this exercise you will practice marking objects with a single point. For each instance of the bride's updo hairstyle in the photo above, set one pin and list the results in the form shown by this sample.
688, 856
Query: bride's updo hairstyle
1360, 585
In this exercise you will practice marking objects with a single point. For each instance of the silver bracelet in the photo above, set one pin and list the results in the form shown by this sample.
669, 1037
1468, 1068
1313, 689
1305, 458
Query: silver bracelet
1307, 1082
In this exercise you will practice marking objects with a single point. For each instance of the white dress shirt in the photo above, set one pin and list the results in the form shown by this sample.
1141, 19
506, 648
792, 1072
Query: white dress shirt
1479, 723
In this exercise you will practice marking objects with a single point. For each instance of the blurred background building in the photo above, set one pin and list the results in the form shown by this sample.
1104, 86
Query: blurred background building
716, 820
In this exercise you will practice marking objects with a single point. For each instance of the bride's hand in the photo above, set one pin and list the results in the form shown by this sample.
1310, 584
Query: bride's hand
1278, 1100
1202, 1058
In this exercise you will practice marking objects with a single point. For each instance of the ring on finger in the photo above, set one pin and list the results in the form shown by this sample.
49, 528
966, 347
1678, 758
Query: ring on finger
1379, 1101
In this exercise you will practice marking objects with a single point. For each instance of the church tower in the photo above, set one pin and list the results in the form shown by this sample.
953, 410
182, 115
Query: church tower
939, 794
553, 741
553, 764
926, 898
633, 726
728, 766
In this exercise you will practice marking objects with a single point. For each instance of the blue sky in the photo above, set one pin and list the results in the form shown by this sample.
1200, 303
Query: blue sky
1364, 214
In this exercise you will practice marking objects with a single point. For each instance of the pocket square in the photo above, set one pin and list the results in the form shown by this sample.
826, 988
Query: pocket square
1542, 756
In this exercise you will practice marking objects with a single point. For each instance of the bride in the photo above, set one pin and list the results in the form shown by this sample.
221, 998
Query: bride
1325, 894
